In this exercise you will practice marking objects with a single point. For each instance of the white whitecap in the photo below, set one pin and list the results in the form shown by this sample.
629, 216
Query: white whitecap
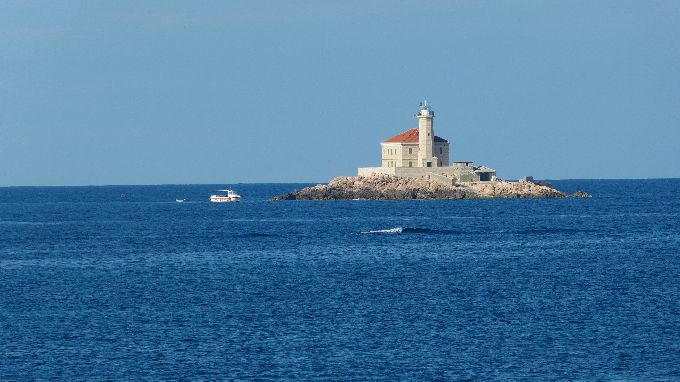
389, 230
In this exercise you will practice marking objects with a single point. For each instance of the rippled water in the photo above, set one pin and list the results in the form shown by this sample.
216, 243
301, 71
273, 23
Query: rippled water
122, 282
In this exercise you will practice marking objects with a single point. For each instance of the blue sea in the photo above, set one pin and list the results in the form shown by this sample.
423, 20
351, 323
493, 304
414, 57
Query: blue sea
124, 283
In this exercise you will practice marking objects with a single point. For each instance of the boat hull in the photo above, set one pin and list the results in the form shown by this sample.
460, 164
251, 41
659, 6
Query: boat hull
224, 199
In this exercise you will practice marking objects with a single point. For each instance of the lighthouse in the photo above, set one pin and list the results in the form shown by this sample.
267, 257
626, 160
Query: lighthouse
418, 153
426, 156
417, 147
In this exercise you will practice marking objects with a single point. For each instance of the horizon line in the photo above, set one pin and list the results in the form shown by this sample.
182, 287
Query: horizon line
253, 183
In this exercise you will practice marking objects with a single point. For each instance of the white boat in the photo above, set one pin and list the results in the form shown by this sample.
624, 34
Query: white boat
225, 196
180, 200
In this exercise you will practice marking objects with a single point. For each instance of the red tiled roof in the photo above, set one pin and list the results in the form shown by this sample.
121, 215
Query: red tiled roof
411, 136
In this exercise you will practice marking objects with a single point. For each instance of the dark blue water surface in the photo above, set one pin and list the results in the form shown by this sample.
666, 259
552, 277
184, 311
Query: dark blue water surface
94, 285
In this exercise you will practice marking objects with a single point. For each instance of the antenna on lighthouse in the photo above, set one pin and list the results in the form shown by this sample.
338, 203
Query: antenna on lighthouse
425, 110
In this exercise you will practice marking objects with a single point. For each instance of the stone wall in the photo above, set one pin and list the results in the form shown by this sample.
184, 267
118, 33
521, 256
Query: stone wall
403, 154
391, 154
441, 151
409, 155
370, 171
443, 175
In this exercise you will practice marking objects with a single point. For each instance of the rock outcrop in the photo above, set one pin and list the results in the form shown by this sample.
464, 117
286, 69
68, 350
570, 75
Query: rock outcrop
385, 187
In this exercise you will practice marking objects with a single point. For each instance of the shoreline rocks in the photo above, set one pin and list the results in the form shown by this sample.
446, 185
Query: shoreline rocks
386, 187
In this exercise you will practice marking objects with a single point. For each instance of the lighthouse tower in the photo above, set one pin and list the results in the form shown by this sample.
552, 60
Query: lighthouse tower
426, 156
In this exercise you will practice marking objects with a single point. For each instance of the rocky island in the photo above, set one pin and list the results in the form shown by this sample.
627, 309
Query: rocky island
387, 187
415, 165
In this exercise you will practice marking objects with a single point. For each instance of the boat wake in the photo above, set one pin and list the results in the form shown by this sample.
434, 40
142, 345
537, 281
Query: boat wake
407, 230
390, 230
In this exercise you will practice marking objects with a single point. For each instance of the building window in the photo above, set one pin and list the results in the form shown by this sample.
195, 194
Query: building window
440, 150
410, 150
429, 164
410, 164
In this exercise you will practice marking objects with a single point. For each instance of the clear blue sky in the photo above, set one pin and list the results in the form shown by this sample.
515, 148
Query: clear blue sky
149, 92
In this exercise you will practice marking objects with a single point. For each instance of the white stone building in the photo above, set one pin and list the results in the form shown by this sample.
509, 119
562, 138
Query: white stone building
418, 153
417, 147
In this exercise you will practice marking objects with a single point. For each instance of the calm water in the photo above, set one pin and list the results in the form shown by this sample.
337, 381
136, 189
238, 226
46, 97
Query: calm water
96, 286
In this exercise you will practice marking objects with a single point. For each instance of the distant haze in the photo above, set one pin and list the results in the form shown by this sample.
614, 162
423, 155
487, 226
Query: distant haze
143, 92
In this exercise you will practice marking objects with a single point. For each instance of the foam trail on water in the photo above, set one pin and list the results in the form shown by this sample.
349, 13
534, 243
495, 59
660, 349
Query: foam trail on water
408, 230
389, 230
